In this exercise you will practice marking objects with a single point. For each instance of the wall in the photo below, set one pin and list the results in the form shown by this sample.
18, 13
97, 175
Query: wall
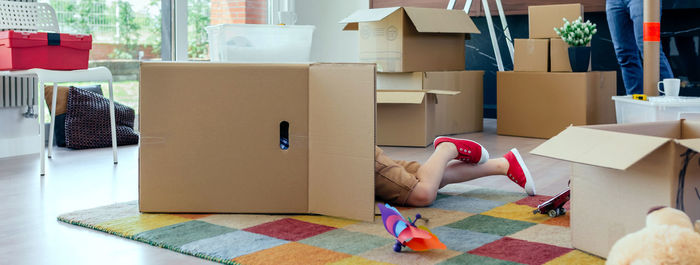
238, 12
510, 7
18, 135
331, 43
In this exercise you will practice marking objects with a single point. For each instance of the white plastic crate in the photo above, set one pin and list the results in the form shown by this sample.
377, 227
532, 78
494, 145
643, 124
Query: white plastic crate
629, 110
255, 43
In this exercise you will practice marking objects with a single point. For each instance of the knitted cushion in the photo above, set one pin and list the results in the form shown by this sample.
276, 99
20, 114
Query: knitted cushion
59, 133
88, 123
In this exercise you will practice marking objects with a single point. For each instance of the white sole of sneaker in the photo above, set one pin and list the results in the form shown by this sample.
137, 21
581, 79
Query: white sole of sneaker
530, 184
484, 153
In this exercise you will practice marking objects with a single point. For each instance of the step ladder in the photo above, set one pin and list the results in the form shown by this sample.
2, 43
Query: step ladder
492, 32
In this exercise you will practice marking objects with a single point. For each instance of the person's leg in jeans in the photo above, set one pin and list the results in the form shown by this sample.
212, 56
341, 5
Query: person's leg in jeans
626, 50
636, 10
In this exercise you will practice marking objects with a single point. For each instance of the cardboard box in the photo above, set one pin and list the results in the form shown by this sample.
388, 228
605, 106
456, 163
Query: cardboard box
410, 39
540, 105
559, 55
414, 108
531, 55
543, 19
222, 153
620, 171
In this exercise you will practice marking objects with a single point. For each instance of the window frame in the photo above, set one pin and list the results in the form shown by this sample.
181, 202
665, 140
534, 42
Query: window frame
174, 27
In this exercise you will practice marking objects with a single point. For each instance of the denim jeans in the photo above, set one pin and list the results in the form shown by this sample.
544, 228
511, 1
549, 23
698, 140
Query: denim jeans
625, 19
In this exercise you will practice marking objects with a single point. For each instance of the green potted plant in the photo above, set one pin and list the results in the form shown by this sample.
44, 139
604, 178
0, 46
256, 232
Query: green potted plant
578, 35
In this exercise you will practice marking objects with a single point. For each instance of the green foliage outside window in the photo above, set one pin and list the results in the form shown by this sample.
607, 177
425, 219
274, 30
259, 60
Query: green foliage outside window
197, 21
127, 32
118, 21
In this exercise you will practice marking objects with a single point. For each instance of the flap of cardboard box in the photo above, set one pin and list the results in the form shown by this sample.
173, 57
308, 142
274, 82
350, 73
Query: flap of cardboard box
599, 147
400, 81
433, 20
690, 143
367, 15
426, 20
443, 92
400, 97
341, 173
409, 96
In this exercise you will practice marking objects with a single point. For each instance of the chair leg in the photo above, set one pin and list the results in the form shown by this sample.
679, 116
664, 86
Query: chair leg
53, 118
113, 121
41, 127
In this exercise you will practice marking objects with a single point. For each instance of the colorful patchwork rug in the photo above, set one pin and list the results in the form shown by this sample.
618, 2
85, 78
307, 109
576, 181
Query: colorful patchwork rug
479, 226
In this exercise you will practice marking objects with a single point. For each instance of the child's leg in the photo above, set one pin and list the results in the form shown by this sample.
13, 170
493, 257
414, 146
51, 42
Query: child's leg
441, 170
457, 172
438, 171
430, 175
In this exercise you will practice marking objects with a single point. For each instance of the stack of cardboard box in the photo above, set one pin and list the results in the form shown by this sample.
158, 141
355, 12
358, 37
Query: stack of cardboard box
541, 97
422, 88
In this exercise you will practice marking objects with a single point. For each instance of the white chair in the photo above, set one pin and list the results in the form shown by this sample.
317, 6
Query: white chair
33, 17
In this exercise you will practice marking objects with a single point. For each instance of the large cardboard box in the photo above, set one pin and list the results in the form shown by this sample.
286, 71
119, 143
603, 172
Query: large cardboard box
221, 153
622, 170
414, 108
531, 55
543, 19
559, 55
411, 39
540, 105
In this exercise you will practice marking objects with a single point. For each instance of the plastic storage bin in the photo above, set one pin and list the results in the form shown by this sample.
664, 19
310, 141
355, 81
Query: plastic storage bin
629, 110
53, 51
259, 43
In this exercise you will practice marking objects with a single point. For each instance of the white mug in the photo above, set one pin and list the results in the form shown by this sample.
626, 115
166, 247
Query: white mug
672, 87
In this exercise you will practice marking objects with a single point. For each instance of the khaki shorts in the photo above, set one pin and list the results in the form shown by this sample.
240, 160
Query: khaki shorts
393, 180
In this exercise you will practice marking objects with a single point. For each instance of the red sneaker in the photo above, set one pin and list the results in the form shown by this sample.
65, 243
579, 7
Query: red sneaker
518, 172
468, 151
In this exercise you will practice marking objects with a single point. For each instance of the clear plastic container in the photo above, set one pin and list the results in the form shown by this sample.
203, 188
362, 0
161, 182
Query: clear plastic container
255, 43
629, 110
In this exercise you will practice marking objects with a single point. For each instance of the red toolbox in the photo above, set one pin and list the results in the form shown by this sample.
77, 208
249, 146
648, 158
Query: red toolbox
53, 51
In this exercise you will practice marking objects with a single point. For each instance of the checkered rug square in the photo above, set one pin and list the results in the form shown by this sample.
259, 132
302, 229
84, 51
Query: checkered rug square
480, 226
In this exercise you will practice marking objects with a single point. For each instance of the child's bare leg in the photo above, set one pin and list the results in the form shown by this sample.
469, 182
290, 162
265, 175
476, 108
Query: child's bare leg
436, 173
430, 175
457, 172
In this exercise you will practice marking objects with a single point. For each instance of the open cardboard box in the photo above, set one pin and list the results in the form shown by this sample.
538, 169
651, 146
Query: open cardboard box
412, 39
414, 108
620, 171
211, 138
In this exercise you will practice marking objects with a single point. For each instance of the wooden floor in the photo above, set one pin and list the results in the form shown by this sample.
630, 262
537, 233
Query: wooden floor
75, 180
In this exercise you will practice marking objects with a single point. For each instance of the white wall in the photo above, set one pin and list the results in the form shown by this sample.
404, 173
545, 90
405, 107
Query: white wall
18, 135
331, 43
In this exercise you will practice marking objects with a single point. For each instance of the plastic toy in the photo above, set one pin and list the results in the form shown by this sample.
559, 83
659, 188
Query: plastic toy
555, 206
407, 234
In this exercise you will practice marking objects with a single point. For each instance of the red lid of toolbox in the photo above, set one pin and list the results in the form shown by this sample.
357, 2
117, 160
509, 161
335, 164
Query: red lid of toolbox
20, 39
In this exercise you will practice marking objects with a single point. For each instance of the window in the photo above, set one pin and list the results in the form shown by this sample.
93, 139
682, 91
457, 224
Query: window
123, 31
203, 13
128, 31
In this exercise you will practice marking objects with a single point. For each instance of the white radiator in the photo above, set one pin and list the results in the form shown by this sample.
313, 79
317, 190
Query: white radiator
17, 92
